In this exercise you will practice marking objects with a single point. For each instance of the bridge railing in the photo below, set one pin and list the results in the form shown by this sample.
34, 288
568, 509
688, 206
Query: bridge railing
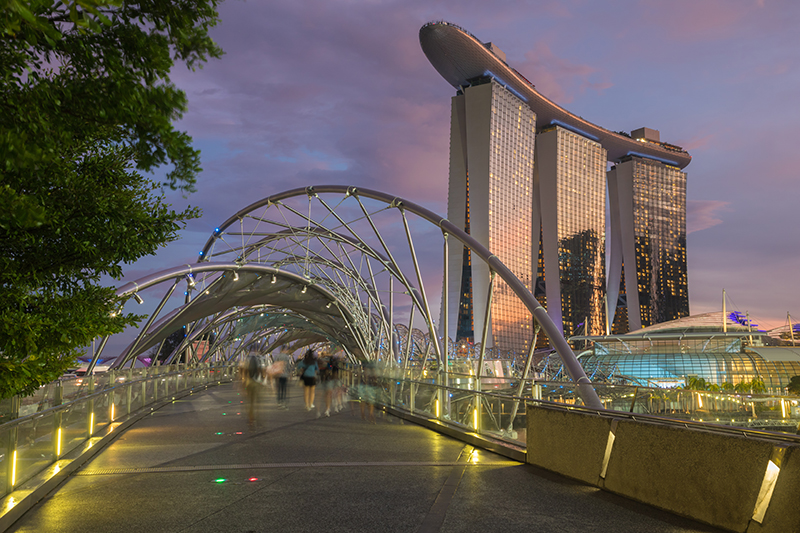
69, 416
495, 406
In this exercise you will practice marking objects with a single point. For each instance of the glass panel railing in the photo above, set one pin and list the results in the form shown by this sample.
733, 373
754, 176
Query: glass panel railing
5, 457
74, 425
63, 415
35, 446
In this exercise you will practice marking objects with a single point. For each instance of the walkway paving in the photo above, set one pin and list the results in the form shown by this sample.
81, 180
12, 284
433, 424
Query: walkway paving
297, 472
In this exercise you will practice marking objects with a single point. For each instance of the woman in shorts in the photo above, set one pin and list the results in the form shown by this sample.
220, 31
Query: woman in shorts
308, 369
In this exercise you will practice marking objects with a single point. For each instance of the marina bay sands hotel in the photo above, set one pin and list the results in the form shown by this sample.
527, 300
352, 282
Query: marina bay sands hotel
529, 180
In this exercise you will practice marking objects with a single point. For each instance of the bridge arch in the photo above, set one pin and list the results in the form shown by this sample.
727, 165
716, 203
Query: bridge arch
355, 252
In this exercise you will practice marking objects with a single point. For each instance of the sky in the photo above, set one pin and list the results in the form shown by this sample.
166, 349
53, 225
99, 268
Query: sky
340, 92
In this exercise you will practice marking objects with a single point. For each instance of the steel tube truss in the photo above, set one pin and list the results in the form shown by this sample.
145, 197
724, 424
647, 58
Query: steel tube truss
330, 265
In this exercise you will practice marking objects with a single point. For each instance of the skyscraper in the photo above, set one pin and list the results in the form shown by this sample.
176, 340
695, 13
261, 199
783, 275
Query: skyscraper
490, 193
558, 247
570, 207
648, 230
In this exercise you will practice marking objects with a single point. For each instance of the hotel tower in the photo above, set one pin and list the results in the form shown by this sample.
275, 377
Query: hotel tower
528, 179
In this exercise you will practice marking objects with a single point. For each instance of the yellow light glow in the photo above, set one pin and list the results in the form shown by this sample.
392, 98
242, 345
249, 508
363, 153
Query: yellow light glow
58, 444
765, 494
91, 424
437, 407
13, 469
475, 418
783, 408
699, 401
112, 411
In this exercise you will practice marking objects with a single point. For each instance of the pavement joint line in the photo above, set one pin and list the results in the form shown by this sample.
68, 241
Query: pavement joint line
435, 518
167, 469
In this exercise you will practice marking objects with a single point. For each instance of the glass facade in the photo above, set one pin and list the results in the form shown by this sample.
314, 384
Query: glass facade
659, 222
572, 203
511, 155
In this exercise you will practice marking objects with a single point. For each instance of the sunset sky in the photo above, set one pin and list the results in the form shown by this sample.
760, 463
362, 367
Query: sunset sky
326, 92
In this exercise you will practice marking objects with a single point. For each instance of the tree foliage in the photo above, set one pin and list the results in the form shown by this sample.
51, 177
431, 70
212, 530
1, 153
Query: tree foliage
86, 108
794, 386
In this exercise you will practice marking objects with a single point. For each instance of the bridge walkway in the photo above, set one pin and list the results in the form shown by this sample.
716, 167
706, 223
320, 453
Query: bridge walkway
194, 466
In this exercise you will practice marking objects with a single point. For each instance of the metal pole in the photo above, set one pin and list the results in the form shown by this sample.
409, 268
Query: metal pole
153, 315
426, 306
524, 376
445, 321
485, 333
390, 340
724, 322
96, 356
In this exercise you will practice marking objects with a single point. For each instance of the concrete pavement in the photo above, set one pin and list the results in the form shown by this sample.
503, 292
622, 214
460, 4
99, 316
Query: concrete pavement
195, 466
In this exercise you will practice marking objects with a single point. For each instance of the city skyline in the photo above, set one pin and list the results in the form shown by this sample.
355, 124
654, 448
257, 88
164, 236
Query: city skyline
323, 96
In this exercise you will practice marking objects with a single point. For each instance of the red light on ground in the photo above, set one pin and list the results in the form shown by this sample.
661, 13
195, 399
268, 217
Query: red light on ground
252, 479
238, 432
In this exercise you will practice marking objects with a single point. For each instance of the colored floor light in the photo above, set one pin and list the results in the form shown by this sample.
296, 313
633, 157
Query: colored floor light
437, 407
58, 443
252, 479
220, 480
91, 423
112, 411
218, 433
475, 418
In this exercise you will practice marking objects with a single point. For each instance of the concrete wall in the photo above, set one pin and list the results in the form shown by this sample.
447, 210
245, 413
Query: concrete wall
710, 477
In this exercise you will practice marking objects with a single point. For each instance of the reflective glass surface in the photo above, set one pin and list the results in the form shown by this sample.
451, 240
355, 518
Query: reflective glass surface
659, 222
511, 159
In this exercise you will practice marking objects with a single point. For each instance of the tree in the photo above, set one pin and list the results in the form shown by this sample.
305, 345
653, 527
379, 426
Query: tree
86, 107
794, 385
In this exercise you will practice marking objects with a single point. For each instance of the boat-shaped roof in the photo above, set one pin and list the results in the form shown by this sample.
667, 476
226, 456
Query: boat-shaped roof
461, 59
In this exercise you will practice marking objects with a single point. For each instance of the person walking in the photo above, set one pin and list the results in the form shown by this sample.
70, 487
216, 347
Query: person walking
280, 372
252, 374
308, 369
329, 377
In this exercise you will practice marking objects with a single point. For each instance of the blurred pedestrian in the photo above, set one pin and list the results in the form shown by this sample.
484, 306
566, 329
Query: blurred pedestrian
253, 373
329, 377
369, 390
279, 371
308, 370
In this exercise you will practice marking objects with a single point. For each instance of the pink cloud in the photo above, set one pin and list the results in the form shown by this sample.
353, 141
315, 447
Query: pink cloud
560, 79
703, 214
697, 143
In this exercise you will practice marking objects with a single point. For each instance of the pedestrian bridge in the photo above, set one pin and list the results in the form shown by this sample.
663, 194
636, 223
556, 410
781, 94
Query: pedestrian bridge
193, 465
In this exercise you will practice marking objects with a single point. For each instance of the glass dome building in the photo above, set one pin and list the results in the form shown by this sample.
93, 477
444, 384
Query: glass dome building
701, 346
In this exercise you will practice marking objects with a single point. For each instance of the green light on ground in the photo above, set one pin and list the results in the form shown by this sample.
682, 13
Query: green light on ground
220, 480
218, 433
